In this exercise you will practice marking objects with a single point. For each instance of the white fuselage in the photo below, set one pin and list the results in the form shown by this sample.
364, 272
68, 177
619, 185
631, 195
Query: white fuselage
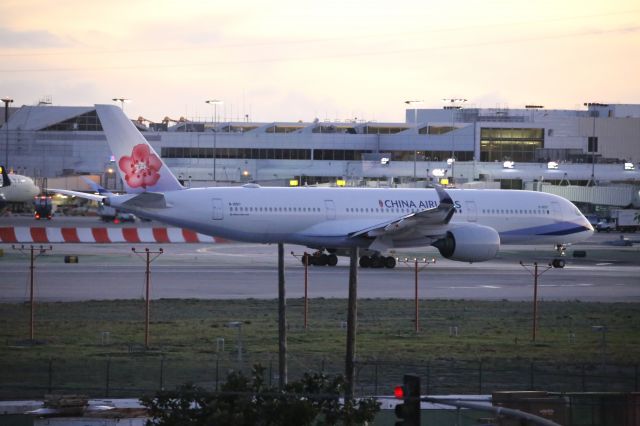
325, 217
21, 190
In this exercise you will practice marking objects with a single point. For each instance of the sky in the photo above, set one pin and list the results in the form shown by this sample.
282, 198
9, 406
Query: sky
283, 60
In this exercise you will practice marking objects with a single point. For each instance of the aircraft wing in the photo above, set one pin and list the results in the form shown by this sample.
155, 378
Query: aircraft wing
78, 194
410, 223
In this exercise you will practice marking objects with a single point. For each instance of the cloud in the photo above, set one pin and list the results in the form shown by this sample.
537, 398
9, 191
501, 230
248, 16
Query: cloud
29, 39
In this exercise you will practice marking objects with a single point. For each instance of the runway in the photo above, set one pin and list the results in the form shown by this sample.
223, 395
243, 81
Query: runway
238, 271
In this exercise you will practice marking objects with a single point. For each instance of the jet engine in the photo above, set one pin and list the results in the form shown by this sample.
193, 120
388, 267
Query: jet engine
469, 243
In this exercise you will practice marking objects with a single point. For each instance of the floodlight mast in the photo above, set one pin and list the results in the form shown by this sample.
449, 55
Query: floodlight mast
455, 103
215, 103
7, 100
415, 122
122, 101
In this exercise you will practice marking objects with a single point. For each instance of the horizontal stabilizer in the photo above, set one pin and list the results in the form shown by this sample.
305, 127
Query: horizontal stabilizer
147, 200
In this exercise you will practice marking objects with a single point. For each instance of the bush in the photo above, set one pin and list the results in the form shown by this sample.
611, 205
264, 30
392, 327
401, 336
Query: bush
315, 399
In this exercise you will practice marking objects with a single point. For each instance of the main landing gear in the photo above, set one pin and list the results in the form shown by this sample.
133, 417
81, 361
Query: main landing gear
321, 259
377, 261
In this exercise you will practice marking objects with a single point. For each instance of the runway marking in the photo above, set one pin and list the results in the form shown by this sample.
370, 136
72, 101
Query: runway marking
567, 285
468, 287
604, 264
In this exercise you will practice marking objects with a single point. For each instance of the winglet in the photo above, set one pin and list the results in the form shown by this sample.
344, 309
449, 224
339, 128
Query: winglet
95, 187
446, 203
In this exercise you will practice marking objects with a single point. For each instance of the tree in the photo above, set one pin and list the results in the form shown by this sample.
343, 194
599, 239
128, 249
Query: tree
315, 399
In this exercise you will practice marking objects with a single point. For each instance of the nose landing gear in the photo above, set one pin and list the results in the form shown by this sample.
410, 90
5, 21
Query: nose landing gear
559, 262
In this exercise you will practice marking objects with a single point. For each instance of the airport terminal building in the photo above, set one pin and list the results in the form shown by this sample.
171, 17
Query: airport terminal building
576, 153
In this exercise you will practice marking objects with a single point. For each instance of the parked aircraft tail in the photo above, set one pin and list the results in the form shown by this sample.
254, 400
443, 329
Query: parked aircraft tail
141, 168
5, 177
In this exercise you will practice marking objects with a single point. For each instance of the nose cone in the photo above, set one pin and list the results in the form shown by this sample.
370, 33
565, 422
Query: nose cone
588, 232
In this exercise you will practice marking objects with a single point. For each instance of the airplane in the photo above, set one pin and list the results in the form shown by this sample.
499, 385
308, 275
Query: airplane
16, 188
463, 224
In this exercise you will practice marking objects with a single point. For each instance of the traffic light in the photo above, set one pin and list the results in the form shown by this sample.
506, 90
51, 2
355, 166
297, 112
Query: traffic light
408, 413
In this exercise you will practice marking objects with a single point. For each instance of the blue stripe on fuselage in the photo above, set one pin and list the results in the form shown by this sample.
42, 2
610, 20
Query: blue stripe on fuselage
560, 228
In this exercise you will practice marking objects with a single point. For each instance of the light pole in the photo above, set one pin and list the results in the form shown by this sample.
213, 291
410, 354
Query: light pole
417, 269
6, 101
536, 274
215, 103
592, 143
453, 106
122, 101
147, 304
415, 122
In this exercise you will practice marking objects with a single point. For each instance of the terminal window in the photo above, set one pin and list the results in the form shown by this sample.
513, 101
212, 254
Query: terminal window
520, 145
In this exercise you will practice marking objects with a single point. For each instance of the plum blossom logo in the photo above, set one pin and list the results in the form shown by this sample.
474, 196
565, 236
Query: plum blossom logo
141, 168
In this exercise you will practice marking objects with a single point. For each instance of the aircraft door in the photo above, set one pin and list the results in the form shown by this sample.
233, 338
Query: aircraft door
472, 211
330, 208
556, 213
217, 213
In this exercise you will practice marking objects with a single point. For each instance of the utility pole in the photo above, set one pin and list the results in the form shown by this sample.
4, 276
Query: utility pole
148, 259
282, 320
416, 270
352, 315
32, 258
535, 274
305, 261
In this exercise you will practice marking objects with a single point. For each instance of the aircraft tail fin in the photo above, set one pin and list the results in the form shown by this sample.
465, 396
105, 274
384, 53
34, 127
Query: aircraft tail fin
140, 167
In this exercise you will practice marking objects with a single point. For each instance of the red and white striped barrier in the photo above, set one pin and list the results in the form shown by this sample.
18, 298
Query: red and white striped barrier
102, 235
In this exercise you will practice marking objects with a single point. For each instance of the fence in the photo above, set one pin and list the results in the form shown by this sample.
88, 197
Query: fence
135, 374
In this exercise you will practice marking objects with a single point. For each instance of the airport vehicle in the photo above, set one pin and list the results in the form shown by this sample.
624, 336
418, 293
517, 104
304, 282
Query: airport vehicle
109, 214
627, 220
605, 226
16, 189
464, 225
106, 213
124, 217
43, 207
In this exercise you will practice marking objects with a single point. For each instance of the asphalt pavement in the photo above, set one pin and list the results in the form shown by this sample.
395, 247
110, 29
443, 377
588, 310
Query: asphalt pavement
607, 273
